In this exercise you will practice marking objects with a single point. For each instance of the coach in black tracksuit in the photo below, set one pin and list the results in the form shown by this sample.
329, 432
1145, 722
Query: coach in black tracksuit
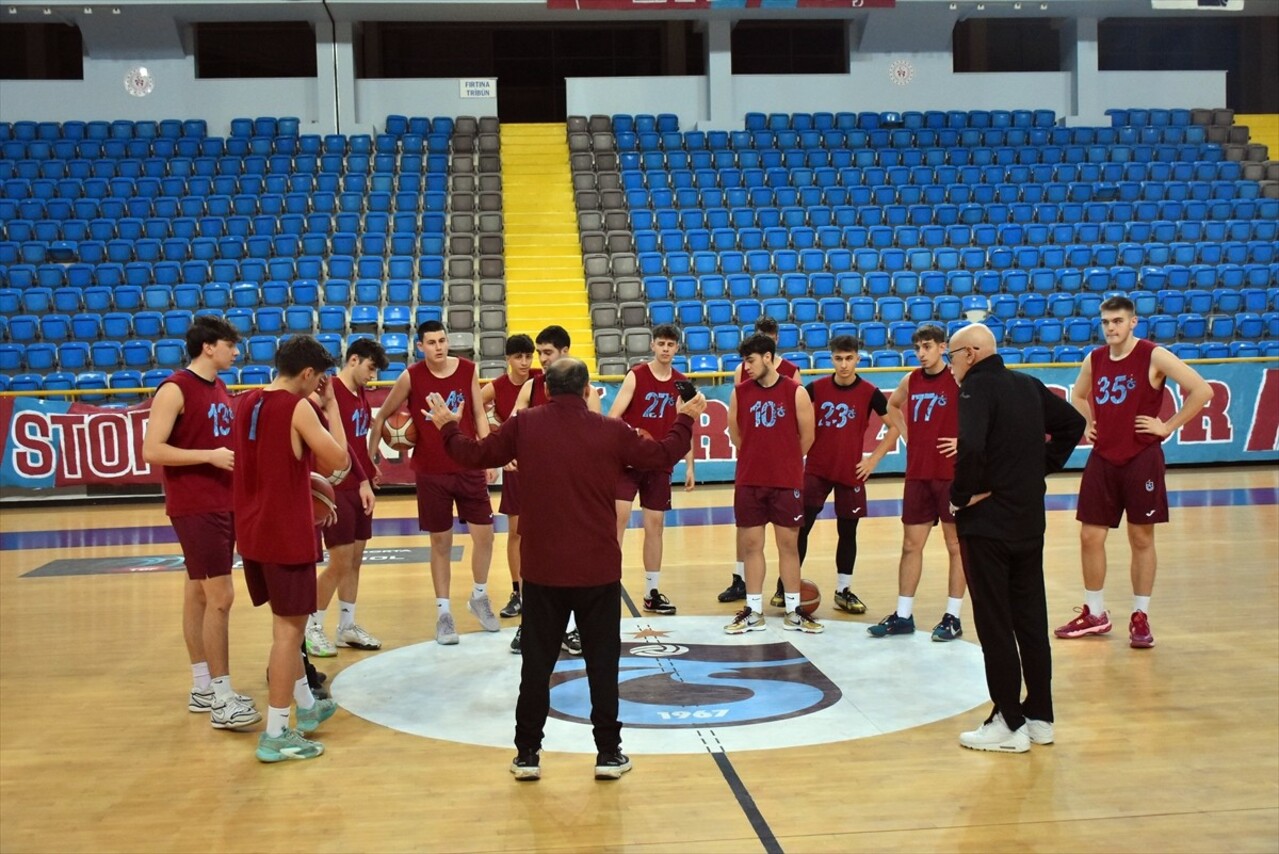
999, 492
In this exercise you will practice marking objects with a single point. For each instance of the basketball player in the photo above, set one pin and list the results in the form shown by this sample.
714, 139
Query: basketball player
736, 590
553, 343
842, 404
441, 482
189, 436
770, 422
499, 399
647, 401
1119, 391
279, 439
925, 408
347, 537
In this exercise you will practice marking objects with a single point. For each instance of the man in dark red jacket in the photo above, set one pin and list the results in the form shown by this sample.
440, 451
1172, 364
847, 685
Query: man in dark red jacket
571, 561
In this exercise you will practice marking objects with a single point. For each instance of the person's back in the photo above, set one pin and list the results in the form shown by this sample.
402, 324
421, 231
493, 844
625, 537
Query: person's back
273, 520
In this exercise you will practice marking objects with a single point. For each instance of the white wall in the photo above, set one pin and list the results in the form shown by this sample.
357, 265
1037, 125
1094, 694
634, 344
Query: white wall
683, 96
376, 99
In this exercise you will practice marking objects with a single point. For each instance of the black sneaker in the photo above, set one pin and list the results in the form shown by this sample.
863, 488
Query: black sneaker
611, 766
892, 625
572, 643
779, 597
735, 592
527, 766
515, 644
513, 607
657, 603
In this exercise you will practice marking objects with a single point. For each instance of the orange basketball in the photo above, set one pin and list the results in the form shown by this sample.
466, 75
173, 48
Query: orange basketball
399, 431
809, 596
323, 498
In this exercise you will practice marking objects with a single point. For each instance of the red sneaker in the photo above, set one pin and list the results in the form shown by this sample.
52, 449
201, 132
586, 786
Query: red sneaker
1139, 636
1085, 624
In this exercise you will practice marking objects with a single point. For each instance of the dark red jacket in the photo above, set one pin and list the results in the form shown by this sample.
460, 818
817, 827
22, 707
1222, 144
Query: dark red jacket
569, 460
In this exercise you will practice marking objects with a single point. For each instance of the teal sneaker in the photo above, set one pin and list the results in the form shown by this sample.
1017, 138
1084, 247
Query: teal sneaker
288, 745
948, 629
892, 625
310, 719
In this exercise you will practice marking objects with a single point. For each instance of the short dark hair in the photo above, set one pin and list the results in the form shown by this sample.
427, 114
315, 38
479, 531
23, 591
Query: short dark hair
757, 345
766, 326
519, 345
207, 329
556, 336
428, 326
928, 332
367, 348
844, 344
300, 352
666, 331
1117, 303
567, 376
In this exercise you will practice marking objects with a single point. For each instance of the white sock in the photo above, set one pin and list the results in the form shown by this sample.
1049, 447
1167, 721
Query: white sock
222, 688
572, 623
478, 590
200, 676
442, 607
277, 721
953, 606
1096, 602
346, 614
1141, 603
740, 570
843, 582
792, 601
316, 619
302, 694
755, 601
905, 606
650, 580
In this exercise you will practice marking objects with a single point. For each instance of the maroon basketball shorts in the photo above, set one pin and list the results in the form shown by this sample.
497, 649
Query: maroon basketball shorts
653, 488
436, 494
509, 505
756, 506
208, 543
926, 502
289, 587
850, 501
1107, 491
352, 524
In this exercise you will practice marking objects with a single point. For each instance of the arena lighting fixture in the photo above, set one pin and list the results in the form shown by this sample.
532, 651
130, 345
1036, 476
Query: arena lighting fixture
88, 10
115, 10
954, 6
47, 11
981, 7
13, 10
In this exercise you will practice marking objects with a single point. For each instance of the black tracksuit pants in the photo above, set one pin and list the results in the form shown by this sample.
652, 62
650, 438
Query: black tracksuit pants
545, 617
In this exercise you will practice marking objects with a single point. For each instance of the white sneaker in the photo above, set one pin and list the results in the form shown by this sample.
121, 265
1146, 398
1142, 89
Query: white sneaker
445, 631
356, 638
318, 644
482, 608
202, 701
994, 735
1040, 732
233, 714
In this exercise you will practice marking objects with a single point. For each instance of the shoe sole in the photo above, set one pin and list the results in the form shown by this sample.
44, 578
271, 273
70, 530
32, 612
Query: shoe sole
447, 640
570, 651
806, 631
365, 646
505, 616
890, 634
610, 772
940, 639
1141, 644
731, 598
756, 628
235, 725
665, 612
1099, 630
276, 756
996, 748
1043, 741
320, 653
526, 775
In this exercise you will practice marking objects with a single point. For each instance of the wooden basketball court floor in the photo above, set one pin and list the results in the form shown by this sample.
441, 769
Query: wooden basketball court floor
1170, 749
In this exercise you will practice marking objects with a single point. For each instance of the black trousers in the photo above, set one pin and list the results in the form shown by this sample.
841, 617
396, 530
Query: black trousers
545, 617
1006, 583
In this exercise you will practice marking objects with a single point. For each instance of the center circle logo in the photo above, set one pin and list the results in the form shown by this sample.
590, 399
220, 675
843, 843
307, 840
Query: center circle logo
684, 687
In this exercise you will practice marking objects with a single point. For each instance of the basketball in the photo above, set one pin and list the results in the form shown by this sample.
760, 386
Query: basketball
809, 596
399, 431
323, 498
333, 477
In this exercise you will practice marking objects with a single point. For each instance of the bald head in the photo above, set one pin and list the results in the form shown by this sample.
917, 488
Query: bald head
975, 335
567, 376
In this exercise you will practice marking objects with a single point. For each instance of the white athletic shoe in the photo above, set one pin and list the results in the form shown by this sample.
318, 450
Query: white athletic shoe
318, 644
1040, 732
994, 735
356, 638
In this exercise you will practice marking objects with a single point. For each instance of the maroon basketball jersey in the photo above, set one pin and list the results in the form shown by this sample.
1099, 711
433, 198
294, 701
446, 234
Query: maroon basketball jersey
770, 454
357, 415
1121, 391
538, 395
505, 393
652, 406
274, 522
428, 454
932, 413
788, 369
203, 424
841, 415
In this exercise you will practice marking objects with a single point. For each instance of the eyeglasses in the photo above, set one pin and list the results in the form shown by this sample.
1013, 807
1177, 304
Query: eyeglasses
950, 354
